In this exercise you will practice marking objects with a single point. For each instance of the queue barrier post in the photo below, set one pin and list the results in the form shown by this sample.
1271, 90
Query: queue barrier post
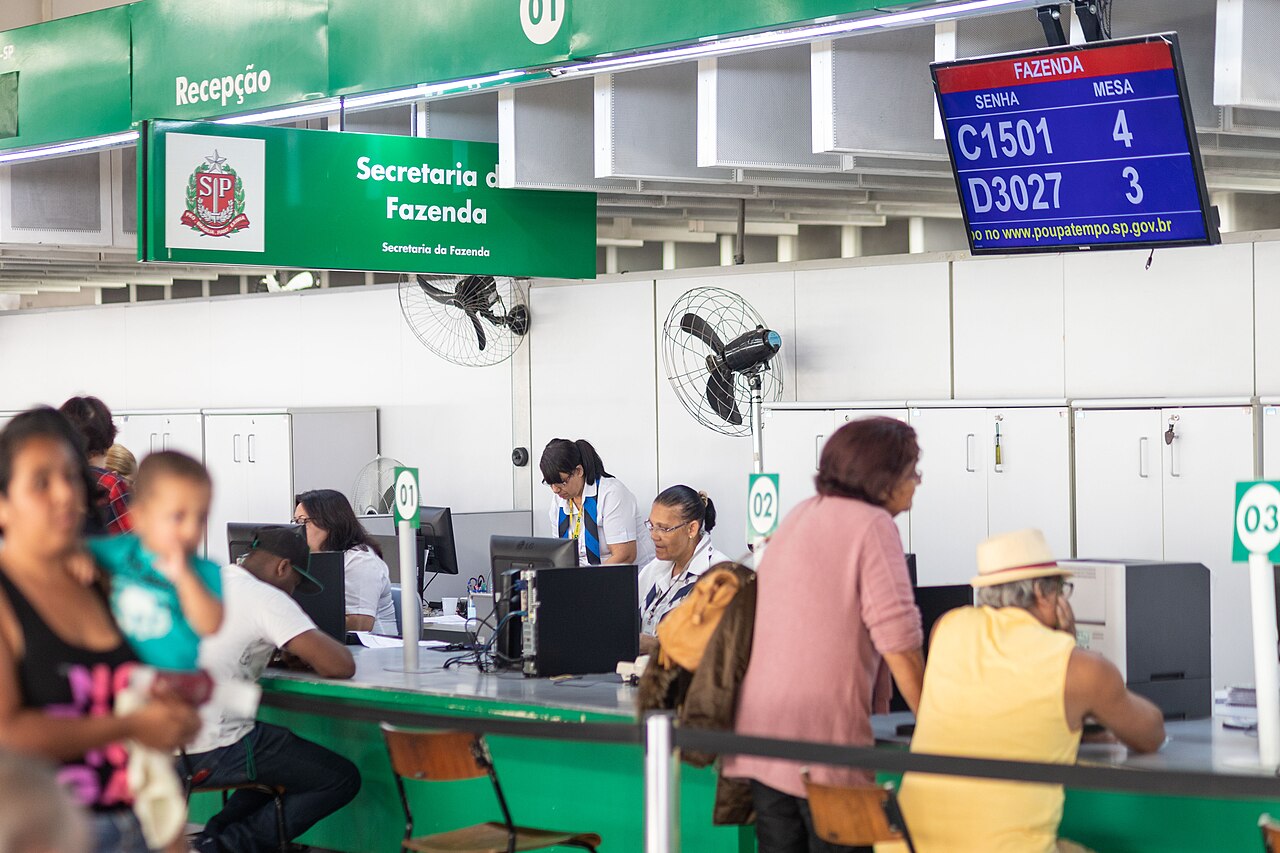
661, 786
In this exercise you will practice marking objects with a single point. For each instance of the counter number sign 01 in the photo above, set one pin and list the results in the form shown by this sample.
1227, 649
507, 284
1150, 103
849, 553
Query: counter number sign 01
406, 494
762, 505
1257, 520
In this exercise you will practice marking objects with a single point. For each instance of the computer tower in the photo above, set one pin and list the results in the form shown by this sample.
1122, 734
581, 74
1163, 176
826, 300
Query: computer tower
1152, 620
579, 620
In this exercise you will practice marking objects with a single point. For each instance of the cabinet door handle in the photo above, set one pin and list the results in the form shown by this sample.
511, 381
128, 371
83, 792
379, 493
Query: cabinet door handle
164, 441
968, 452
252, 436
817, 451
152, 447
1142, 457
235, 448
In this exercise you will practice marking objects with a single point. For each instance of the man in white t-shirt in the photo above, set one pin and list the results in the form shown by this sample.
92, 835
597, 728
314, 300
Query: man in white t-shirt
260, 616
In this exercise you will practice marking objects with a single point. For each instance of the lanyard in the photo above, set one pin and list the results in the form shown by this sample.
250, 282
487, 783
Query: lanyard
652, 609
575, 520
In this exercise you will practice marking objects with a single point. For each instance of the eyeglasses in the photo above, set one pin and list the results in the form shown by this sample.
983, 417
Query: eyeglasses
916, 475
302, 519
658, 527
564, 483
1067, 588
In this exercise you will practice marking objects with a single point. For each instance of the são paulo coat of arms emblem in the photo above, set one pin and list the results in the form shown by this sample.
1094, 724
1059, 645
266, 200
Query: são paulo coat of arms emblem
215, 199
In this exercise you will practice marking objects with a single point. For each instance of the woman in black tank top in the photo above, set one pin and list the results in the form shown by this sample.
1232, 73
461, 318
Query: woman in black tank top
62, 660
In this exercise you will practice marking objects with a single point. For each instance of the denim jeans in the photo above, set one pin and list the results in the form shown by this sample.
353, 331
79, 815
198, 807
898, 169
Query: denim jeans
316, 784
784, 825
117, 832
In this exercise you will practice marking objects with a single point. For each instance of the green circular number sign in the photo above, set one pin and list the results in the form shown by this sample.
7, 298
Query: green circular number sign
1258, 519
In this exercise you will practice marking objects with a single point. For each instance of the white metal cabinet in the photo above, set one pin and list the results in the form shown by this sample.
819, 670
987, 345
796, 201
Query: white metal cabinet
1270, 439
148, 432
1212, 449
1119, 507
1030, 484
1140, 494
949, 515
793, 441
260, 460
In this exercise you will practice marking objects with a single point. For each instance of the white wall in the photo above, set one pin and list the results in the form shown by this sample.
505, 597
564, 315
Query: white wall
341, 347
592, 369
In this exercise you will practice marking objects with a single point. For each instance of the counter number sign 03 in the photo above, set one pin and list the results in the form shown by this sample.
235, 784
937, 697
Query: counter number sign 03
406, 494
762, 505
1257, 520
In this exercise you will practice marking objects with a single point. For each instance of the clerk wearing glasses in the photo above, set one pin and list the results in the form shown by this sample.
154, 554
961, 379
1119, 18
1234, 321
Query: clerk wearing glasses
680, 524
593, 506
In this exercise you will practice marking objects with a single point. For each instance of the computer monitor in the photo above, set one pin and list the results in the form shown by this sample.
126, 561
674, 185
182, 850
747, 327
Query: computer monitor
435, 526
508, 555
934, 602
240, 535
327, 608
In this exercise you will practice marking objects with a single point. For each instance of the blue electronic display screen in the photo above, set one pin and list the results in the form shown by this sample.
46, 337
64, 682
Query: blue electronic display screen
1085, 147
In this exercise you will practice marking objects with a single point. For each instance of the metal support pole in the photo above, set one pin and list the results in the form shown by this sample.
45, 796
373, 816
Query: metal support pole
410, 606
661, 786
1265, 664
757, 434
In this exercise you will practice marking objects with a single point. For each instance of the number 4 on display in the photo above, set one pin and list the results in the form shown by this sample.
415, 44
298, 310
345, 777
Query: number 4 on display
1121, 132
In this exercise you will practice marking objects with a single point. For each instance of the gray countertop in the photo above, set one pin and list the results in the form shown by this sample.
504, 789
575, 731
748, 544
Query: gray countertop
1194, 745
1202, 746
375, 673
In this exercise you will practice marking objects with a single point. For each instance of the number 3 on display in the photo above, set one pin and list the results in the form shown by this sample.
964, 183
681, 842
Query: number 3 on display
1135, 189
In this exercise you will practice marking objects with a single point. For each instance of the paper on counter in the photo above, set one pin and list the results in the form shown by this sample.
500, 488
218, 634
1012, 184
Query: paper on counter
378, 641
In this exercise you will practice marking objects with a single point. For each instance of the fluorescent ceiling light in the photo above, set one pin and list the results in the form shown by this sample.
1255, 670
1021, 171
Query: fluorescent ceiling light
795, 35
428, 90
300, 281
310, 108
80, 146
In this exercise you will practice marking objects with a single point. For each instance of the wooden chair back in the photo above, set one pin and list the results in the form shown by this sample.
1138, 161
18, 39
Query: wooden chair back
855, 816
1270, 834
435, 756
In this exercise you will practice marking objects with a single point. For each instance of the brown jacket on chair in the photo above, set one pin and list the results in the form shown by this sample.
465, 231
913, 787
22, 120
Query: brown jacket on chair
707, 698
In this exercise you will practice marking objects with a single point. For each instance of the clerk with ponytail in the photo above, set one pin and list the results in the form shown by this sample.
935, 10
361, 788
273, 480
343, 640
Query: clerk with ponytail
680, 524
592, 506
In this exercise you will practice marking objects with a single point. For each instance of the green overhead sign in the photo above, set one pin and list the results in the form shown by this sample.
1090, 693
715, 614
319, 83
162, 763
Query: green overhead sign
408, 42
98, 73
272, 196
198, 60
67, 79
603, 27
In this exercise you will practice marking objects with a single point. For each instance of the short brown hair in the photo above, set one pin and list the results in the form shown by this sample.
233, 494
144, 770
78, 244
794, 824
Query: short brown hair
866, 458
168, 463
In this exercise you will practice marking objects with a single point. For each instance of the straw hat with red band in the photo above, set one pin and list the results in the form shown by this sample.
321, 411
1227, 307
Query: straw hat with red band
1017, 556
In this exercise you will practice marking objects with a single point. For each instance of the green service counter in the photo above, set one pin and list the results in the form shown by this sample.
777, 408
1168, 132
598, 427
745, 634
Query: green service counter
599, 787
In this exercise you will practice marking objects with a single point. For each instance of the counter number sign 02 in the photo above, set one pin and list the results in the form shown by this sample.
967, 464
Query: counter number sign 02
406, 495
1257, 520
762, 505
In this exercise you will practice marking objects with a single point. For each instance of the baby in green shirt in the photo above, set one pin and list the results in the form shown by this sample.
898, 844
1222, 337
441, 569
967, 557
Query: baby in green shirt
163, 597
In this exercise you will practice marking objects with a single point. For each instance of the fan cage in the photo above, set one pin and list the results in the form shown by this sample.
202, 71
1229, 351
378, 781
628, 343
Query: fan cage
449, 333
684, 357
373, 483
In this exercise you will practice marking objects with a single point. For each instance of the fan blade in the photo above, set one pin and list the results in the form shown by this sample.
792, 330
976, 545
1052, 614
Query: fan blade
701, 329
480, 336
441, 296
720, 395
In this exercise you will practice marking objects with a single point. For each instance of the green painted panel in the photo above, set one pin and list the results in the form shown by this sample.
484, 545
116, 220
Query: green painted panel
607, 26
74, 77
270, 196
405, 42
8, 105
195, 60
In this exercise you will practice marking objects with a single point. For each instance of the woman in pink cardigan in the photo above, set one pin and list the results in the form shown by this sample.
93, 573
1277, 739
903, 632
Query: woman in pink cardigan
834, 600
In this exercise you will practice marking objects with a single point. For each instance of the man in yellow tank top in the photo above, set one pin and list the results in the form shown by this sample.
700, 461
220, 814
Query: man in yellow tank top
1005, 680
